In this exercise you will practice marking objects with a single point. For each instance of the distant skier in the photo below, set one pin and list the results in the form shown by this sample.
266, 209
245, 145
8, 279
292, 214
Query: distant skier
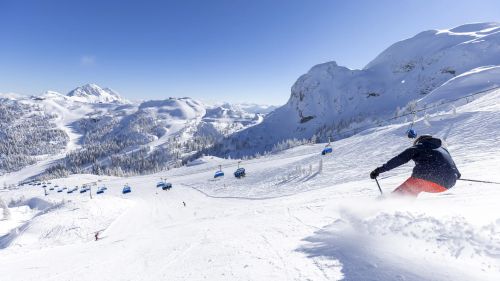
434, 169
184, 203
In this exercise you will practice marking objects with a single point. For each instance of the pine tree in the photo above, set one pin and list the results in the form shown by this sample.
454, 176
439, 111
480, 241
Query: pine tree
5, 212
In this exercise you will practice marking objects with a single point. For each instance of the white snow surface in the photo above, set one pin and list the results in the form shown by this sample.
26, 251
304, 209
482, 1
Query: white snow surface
283, 221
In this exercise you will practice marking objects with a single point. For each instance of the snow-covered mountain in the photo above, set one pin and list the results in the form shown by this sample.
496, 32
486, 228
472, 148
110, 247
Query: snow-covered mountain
330, 99
93, 93
94, 130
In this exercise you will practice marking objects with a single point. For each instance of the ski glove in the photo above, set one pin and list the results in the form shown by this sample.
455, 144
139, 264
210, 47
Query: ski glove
374, 174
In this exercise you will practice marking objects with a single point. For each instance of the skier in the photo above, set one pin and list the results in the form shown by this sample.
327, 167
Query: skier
434, 169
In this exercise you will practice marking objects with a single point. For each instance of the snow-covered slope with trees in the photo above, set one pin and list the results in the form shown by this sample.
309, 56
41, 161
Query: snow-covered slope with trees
27, 133
331, 99
99, 132
297, 215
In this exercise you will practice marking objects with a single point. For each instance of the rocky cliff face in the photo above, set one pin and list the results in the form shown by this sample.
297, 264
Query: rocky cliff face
330, 99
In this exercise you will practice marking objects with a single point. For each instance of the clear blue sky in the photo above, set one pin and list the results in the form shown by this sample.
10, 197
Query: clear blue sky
220, 50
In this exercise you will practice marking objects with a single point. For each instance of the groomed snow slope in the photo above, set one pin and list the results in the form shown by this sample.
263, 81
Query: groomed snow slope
281, 222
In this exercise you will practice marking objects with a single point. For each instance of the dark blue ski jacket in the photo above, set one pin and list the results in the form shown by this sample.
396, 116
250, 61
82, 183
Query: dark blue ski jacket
432, 162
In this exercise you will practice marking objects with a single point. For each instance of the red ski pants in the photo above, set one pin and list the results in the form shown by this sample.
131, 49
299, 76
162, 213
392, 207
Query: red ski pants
413, 187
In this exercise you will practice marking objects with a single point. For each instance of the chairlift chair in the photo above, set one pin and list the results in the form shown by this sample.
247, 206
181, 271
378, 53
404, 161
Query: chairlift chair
328, 148
126, 189
219, 173
167, 186
411, 133
240, 172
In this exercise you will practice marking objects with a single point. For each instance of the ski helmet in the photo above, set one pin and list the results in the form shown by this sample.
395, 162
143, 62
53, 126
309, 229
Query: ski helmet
411, 133
421, 138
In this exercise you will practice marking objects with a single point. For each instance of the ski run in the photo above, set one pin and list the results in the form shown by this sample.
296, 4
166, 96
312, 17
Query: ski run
296, 215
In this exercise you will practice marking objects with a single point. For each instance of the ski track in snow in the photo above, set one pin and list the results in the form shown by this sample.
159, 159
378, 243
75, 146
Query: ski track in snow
278, 223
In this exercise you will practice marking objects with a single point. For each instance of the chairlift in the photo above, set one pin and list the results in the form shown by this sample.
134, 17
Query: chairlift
166, 186
101, 190
328, 148
126, 189
219, 173
411, 133
240, 172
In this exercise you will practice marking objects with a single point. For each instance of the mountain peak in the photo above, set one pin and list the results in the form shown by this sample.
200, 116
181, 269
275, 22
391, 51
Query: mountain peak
93, 93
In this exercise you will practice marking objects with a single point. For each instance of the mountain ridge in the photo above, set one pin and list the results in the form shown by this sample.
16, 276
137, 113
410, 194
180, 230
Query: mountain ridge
330, 99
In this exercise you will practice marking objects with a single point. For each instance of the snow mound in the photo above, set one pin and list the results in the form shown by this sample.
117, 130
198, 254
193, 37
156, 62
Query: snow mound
175, 108
378, 247
34, 203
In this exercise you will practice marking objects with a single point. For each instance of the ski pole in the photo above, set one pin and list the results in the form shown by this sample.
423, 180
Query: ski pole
492, 182
380, 189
